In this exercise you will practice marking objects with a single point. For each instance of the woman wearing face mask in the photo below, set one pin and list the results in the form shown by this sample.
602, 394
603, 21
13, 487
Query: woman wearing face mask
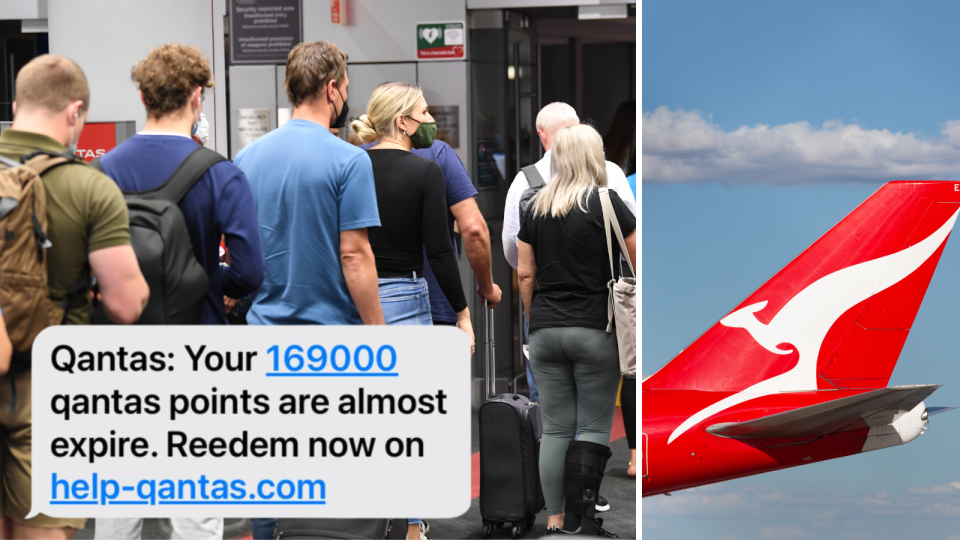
411, 197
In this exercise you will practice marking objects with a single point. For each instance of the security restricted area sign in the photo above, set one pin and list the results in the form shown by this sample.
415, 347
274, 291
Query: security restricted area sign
441, 41
264, 31
285, 421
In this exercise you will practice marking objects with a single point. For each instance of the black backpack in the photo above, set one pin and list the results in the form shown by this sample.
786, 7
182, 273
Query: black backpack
158, 232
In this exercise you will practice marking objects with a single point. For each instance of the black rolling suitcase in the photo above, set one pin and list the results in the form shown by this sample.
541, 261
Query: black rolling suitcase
315, 529
510, 430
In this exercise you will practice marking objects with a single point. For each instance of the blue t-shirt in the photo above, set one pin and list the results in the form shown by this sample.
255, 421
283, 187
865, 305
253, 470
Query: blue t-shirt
459, 188
632, 180
219, 203
308, 186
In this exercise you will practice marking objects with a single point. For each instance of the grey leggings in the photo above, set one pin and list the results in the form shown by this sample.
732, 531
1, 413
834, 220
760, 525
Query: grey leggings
577, 372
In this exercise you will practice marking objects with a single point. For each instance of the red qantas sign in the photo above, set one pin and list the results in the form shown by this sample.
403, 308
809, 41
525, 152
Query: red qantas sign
797, 373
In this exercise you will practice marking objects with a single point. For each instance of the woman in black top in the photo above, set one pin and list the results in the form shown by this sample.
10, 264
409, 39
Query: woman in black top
563, 275
411, 197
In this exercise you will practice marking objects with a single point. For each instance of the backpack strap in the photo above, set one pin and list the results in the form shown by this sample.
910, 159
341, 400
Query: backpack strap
533, 176
175, 188
81, 286
42, 161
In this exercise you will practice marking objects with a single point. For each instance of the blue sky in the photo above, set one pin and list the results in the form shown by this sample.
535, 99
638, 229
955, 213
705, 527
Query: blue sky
764, 123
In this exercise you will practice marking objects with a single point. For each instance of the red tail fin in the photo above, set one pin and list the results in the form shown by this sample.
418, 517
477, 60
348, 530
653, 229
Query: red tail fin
838, 315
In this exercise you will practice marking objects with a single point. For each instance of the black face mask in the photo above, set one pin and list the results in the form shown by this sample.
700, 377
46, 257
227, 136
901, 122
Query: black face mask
342, 115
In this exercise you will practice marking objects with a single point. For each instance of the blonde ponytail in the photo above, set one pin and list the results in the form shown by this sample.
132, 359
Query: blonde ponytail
364, 129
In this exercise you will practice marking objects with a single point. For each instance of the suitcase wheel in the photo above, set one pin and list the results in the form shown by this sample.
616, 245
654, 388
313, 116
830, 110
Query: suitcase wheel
517, 531
487, 530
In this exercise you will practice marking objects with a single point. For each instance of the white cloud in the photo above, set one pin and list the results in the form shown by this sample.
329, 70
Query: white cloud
685, 146
786, 533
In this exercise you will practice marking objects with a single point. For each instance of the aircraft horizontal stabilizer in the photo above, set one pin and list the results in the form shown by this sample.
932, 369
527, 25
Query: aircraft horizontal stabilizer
937, 410
870, 409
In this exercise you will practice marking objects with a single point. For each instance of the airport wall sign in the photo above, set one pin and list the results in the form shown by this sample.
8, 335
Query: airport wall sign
441, 41
264, 31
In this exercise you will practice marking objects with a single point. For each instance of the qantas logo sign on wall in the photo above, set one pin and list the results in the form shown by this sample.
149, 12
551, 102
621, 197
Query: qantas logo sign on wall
805, 320
96, 140
441, 41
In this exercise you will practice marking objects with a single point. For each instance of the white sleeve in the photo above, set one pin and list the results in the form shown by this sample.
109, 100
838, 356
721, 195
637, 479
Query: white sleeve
617, 181
511, 219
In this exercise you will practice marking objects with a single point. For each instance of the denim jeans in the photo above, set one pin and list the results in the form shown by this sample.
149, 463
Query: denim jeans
263, 528
405, 300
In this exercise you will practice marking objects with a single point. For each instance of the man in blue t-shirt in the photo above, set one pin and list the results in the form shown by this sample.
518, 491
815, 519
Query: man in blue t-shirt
315, 199
473, 230
171, 80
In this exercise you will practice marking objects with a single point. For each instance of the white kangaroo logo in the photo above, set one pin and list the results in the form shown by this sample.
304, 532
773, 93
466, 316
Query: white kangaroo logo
805, 320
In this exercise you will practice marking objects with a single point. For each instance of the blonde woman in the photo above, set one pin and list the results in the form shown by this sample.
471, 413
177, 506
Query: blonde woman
563, 273
411, 198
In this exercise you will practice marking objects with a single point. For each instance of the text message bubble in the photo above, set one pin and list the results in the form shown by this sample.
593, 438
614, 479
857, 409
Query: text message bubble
251, 421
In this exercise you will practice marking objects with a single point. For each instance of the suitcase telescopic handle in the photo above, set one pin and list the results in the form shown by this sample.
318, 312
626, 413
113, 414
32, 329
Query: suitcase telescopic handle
489, 353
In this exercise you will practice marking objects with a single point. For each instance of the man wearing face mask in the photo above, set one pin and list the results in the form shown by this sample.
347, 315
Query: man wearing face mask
201, 132
171, 80
315, 198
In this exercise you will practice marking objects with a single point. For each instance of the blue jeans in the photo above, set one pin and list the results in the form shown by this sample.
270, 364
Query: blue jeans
405, 300
263, 528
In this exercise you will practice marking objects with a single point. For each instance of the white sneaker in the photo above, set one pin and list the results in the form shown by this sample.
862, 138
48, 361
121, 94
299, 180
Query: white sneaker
602, 504
423, 530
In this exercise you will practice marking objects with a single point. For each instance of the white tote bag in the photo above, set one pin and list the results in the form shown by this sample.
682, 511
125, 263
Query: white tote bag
622, 302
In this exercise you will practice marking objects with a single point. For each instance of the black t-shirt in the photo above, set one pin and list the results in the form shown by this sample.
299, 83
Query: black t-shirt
411, 197
573, 268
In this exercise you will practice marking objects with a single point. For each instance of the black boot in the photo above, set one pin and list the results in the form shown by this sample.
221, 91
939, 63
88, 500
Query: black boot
585, 463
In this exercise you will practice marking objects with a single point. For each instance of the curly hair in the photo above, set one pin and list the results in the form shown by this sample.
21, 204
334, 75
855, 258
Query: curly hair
168, 75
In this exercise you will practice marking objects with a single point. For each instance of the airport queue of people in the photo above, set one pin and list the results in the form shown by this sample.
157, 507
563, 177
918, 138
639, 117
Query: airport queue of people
379, 219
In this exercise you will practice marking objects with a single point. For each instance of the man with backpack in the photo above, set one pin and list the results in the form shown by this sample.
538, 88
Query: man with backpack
214, 198
71, 223
208, 196
550, 120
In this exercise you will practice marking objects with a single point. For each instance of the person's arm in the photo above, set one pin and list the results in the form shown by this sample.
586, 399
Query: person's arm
461, 196
631, 242
526, 274
511, 218
123, 290
476, 244
237, 219
360, 273
357, 209
436, 242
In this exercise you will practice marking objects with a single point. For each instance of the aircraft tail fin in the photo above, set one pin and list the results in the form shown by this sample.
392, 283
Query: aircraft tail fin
838, 315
